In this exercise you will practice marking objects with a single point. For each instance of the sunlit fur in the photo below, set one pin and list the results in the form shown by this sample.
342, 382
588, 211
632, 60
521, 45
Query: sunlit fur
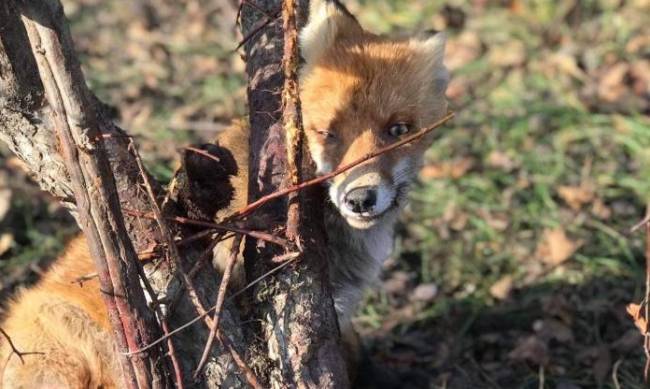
354, 86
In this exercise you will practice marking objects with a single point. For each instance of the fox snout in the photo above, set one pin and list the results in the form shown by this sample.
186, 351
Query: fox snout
366, 195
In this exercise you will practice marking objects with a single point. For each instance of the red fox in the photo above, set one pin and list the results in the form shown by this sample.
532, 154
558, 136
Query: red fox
359, 92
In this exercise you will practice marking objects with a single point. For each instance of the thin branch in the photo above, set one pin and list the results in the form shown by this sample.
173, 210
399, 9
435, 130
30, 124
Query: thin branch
203, 153
318, 180
183, 220
14, 349
221, 295
267, 20
292, 117
173, 254
81, 146
646, 334
641, 224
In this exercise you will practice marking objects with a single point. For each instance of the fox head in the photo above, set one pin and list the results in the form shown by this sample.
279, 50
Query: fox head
361, 92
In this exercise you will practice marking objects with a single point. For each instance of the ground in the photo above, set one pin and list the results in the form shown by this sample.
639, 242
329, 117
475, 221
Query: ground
515, 258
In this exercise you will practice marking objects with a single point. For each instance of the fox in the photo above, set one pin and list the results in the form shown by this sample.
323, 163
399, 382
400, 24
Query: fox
360, 92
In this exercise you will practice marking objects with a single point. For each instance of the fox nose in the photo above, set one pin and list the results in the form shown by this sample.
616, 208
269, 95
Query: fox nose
362, 199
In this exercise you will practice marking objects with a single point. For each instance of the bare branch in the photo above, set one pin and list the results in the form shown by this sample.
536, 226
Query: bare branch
82, 149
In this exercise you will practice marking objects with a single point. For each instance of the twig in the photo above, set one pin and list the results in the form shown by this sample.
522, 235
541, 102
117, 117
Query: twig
646, 334
183, 220
203, 153
178, 370
207, 312
267, 20
318, 180
617, 364
221, 295
14, 349
248, 372
81, 279
173, 254
640, 224
292, 117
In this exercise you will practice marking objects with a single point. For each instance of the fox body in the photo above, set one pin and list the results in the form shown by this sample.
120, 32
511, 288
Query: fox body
359, 92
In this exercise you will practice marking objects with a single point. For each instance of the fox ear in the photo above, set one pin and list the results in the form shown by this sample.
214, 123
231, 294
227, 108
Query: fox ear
432, 51
329, 21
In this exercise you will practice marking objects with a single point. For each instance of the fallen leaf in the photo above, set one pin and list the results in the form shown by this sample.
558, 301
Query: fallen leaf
397, 282
6, 241
555, 247
454, 169
600, 210
641, 323
501, 289
576, 196
511, 53
554, 329
5, 202
500, 160
425, 292
530, 349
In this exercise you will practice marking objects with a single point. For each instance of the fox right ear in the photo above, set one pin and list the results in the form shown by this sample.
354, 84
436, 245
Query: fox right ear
329, 21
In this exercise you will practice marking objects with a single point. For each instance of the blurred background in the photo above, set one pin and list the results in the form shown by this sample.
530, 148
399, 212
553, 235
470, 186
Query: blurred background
515, 259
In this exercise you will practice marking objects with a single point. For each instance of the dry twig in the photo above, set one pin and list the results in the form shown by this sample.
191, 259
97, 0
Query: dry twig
183, 220
292, 118
14, 349
223, 287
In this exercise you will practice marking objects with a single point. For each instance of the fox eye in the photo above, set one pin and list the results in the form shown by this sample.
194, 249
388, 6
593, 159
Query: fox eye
326, 135
398, 129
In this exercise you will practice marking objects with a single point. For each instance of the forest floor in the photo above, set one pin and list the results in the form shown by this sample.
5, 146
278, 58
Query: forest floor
515, 259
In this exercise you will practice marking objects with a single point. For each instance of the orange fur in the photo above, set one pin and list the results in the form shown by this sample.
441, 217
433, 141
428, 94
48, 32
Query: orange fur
65, 324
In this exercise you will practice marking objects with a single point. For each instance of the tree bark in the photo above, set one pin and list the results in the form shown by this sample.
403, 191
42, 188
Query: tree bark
295, 305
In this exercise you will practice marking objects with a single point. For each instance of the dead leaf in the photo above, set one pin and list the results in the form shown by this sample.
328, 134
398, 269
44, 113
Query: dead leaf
500, 160
555, 247
501, 289
576, 196
554, 329
5, 202
530, 349
511, 53
640, 322
462, 50
6, 241
425, 292
600, 210
454, 169
397, 282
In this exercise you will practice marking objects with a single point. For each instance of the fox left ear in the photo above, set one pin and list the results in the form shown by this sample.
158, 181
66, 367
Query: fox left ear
432, 50
329, 22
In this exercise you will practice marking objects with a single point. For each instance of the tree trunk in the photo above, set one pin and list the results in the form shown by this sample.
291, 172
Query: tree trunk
295, 305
